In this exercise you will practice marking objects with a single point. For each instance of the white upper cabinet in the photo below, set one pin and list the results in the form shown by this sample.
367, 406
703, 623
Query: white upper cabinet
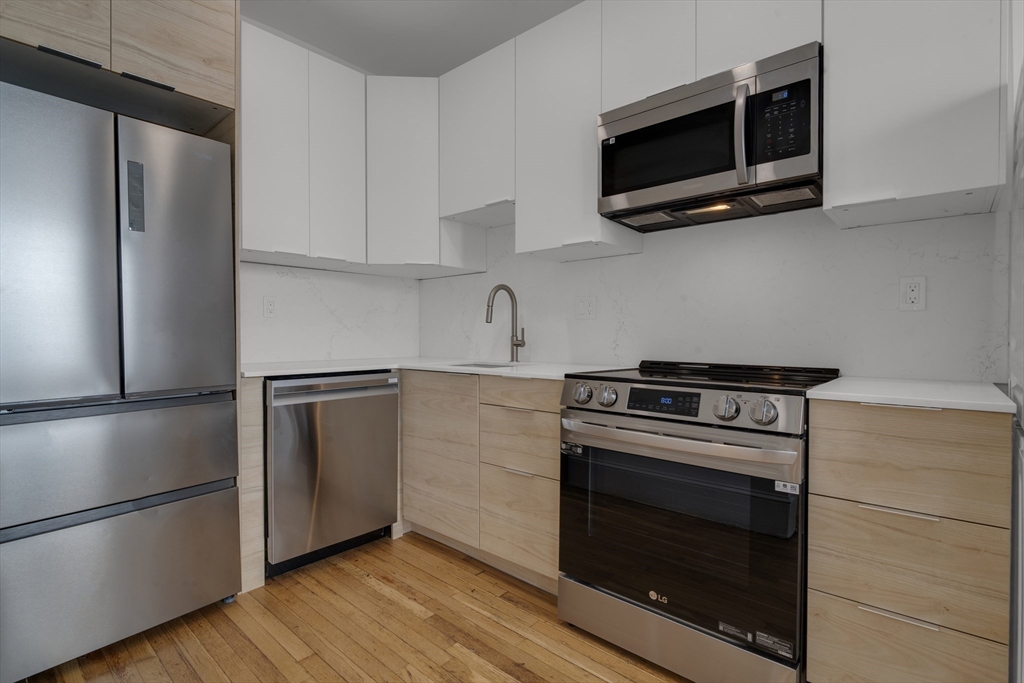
274, 144
734, 32
403, 231
558, 100
478, 105
647, 47
337, 161
912, 109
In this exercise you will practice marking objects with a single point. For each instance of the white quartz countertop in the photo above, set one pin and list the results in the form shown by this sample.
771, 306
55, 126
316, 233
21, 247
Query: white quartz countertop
916, 392
318, 367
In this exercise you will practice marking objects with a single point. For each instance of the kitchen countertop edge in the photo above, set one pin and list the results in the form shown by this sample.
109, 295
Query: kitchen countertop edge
555, 371
979, 396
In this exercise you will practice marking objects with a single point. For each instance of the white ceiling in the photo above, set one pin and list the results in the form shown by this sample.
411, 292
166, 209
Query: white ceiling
403, 37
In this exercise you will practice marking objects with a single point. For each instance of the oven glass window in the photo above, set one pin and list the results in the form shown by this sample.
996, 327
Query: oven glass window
716, 549
682, 148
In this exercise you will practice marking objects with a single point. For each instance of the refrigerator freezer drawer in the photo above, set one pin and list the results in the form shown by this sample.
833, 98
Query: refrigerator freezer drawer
177, 277
58, 250
56, 467
71, 591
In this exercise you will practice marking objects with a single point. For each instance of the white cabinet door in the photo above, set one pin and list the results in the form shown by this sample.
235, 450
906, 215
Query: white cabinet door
274, 121
558, 100
402, 170
734, 32
912, 109
647, 47
478, 106
337, 161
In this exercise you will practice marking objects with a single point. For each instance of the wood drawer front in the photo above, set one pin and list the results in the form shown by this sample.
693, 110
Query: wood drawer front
532, 394
950, 463
955, 574
187, 44
847, 643
79, 27
442, 494
441, 415
524, 440
519, 518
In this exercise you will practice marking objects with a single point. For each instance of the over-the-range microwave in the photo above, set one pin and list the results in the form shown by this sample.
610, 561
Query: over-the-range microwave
740, 143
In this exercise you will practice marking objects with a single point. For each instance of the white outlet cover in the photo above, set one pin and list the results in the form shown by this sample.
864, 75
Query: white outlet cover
586, 307
269, 307
904, 294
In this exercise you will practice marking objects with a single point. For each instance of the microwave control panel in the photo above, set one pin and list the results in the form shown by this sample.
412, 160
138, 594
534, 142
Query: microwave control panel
782, 117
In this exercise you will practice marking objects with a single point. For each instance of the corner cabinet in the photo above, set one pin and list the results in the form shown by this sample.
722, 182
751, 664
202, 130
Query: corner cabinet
913, 109
558, 100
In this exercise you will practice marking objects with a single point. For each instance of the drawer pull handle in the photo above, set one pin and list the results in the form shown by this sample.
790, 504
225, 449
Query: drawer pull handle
897, 405
148, 81
904, 513
521, 474
70, 55
516, 410
906, 620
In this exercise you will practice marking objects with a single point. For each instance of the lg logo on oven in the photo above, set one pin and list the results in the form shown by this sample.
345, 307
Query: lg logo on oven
660, 598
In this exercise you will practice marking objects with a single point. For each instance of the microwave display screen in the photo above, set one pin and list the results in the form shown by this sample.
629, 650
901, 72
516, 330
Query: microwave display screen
669, 402
783, 118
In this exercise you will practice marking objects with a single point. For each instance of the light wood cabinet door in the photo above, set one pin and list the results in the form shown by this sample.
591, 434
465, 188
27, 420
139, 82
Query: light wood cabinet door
848, 642
948, 463
187, 44
78, 27
532, 394
524, 440
943, 571
733, 33
519, 518
648, 47
441, 453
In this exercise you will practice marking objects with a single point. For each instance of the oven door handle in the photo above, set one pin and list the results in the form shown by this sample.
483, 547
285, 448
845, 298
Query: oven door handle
680, 445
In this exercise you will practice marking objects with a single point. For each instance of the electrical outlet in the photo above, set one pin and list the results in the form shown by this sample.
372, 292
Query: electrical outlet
586, 307
269, 307
912, 294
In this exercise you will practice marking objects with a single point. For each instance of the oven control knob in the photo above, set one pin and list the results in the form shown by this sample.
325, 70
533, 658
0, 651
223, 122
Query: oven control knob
726, 408
608, 396
583, 393
764, 412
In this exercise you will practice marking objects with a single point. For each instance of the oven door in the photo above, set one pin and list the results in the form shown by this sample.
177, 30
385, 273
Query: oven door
696, 146
700, 524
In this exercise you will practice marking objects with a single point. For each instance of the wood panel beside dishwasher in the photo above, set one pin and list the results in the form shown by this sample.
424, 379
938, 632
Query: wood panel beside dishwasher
481, 467
908, 543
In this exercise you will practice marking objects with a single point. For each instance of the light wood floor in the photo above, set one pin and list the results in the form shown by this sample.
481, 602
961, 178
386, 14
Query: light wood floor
405, 610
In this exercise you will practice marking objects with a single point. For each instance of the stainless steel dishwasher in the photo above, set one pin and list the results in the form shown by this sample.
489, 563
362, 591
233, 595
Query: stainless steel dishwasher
332, 465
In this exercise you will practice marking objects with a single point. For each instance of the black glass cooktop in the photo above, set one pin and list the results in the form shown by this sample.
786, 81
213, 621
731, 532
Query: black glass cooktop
664, 372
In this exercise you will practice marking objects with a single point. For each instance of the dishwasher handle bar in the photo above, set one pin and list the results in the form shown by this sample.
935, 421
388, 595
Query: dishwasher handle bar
334, 394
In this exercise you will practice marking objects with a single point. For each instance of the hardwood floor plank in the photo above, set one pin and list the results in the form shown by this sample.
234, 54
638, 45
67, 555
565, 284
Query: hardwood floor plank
48, 676
246, 650
145, 659
409, 610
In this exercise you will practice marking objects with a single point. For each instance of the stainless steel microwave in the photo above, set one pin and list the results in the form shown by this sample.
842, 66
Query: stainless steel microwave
740, 143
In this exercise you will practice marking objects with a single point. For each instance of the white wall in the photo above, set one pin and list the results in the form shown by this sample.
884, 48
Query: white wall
791, 289
323, 315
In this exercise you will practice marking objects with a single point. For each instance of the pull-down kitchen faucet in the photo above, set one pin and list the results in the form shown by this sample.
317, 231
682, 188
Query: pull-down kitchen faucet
516, 341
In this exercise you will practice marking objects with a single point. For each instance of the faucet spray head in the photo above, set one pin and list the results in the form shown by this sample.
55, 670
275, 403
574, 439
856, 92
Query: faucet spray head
490, 312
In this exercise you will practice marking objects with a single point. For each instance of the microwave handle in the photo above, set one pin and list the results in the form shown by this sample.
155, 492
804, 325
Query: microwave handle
740, 134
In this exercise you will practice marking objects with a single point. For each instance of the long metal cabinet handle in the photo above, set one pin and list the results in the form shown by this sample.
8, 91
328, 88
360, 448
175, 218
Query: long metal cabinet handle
897, 617
902, 513
740, 134
897, 405
70, 55
512, 471
147, 81
334, 395
673, 443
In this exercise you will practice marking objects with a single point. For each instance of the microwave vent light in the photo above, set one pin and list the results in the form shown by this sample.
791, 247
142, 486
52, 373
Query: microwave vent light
709, 209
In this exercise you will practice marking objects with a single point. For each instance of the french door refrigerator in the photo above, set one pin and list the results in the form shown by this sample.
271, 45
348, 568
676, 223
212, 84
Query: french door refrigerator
118, 446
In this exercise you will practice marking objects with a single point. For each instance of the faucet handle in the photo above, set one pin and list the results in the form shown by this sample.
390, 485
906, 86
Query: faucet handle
521, 340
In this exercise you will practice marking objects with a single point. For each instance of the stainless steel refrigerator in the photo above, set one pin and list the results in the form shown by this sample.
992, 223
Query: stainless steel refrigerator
118, 444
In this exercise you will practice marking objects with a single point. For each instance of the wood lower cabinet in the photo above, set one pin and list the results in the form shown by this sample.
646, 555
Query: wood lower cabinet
908, 543
514, 392
186, 44
77, 27
519, 518
523, 440
856, 643
441, 453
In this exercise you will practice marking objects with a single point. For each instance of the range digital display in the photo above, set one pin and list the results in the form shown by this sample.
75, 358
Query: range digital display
668, 402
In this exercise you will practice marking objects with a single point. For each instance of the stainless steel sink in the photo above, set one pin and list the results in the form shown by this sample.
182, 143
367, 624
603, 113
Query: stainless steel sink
483, 365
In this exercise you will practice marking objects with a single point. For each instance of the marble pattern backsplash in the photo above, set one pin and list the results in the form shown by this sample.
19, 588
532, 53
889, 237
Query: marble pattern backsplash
323, 315
791, 289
